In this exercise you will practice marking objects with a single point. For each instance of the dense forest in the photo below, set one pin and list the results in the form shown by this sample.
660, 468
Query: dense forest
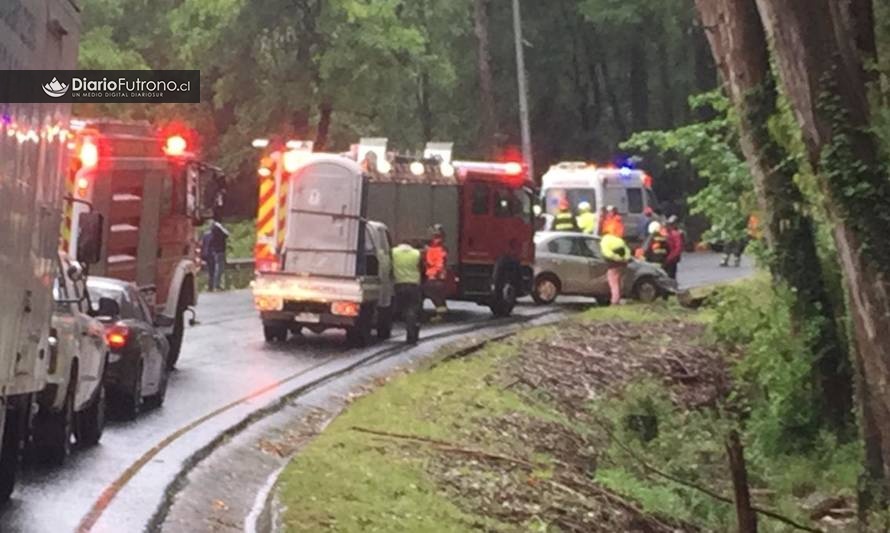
414, 71
770, 107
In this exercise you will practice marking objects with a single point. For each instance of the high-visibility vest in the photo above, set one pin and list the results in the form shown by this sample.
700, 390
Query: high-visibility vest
587, 222
658, 249
564, 221
435, 257
406, 264
613, 225
614, 249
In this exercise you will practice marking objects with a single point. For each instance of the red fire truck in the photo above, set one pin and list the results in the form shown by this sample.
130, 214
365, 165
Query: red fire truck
484, 208
153, 193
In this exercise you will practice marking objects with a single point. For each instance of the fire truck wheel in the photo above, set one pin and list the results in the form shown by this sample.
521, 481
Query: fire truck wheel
275, 333
384, 323
505, 294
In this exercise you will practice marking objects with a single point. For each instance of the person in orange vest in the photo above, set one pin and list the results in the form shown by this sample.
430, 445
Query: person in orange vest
611, 222
435, 268
655, 247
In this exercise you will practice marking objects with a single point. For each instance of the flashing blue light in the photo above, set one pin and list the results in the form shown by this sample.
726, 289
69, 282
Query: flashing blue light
625, 172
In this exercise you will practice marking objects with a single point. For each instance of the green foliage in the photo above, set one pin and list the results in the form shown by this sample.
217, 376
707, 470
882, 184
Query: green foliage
711, 146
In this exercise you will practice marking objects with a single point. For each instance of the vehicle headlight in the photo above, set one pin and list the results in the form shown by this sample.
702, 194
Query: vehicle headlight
268, 303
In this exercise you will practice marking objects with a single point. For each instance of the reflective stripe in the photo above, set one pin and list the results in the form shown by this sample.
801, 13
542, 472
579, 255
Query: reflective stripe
564, 221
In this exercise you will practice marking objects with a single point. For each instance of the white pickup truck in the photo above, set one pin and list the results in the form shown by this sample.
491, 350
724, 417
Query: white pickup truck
335, 267
73, 402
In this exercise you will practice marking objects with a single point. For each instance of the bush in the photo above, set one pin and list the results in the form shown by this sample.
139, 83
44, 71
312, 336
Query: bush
774, 380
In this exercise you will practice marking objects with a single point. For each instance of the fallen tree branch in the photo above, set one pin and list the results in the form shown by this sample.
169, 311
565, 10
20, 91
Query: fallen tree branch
446, 446
694, 486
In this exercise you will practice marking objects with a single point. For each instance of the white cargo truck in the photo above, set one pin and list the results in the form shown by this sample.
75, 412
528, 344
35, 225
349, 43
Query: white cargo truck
334, 268
38, 35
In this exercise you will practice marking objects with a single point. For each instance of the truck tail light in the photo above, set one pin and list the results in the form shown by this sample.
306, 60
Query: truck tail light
117, 336
89, 153
345, 308
268, 303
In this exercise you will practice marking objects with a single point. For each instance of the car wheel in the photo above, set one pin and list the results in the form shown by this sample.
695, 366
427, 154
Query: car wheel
384, 323
275, 333
91, 422
157, 400
175, 339
131, 403
645, 290
57, 430
547, 288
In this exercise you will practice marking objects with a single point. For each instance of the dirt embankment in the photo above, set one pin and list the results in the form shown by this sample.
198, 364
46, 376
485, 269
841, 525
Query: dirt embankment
568, 369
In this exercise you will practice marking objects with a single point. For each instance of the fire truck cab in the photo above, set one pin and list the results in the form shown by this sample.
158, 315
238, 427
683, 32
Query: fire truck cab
153, 195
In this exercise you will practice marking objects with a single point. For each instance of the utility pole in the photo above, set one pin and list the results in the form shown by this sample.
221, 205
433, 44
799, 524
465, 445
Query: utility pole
523, 91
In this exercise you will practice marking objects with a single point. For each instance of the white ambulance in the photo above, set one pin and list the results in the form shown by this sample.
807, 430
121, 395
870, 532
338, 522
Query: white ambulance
627, 189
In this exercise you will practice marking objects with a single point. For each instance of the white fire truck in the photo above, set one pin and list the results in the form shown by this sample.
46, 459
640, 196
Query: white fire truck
34, 34
153, 194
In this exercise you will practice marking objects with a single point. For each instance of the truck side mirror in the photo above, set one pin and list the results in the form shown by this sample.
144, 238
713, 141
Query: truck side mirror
89, 238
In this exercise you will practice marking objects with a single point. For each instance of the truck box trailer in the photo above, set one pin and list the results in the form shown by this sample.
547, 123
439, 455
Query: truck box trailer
39, 35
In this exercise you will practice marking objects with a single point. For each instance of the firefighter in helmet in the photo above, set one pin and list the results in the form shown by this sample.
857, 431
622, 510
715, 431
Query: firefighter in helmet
435, 263
586, 218
564, 220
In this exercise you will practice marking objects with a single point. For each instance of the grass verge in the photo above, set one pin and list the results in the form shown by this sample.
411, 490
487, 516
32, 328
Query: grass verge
554, 429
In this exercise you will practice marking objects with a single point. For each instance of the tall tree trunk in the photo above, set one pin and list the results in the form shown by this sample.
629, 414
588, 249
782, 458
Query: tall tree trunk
325, 114
424, 106
639, 83
486, 85
821, 69
740, 50
666, 83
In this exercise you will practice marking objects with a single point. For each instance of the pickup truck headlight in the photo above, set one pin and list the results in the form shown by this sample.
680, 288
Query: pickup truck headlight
268, 303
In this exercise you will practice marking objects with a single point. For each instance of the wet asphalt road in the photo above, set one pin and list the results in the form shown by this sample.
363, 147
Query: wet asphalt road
226, 373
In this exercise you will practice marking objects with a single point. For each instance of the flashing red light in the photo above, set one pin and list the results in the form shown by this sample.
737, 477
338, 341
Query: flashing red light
513, 169
176, 146
89, 154
116, 337
647, 181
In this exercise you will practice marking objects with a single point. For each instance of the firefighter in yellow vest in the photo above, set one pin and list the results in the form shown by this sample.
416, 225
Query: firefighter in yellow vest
564, 220
586, 218
407, 266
